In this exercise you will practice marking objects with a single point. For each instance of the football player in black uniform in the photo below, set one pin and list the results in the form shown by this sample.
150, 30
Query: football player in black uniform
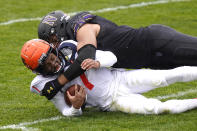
155, 46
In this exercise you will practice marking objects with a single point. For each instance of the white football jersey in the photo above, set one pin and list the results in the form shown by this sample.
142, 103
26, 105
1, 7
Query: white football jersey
99, 96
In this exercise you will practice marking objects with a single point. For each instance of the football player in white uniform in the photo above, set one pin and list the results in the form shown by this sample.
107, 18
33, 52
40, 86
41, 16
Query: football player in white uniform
107, 89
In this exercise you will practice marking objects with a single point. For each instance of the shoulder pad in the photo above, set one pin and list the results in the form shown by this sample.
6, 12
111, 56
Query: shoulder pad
68, 49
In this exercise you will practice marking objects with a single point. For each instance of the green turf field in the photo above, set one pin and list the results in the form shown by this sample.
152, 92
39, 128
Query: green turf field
22, 110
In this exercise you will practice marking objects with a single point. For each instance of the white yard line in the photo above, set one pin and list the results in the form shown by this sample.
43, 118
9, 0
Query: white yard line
142, 4
177, 94
23, 125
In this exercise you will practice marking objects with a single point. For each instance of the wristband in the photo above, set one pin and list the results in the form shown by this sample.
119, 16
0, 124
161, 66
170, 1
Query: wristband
51, 88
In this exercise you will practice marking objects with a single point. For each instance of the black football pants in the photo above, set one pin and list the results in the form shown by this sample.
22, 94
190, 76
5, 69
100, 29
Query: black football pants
169, 48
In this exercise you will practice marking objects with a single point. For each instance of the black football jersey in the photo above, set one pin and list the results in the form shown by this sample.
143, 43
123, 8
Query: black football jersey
127, 43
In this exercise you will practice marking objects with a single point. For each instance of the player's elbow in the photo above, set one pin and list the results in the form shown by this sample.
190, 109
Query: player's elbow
113, 57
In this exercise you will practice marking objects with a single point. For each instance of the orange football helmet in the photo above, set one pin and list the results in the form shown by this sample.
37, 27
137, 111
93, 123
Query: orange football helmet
34, 52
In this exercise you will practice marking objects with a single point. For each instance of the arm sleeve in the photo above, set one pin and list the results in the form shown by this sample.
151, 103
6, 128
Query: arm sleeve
74, 70
105, 58
61, 105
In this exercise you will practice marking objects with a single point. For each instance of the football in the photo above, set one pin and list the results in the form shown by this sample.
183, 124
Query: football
71, 90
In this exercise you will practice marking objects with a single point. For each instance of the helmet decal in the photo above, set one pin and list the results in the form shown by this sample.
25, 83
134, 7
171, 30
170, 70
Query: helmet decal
42, 58
50, 20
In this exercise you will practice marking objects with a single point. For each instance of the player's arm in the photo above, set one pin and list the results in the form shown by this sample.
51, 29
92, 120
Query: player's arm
61, 105
37, 86
86, 37
76, 101
79, 98
103, 59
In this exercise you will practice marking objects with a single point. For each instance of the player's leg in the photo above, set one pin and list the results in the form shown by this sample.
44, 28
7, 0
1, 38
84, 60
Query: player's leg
143, 80
136, 103
170, 49
181, 74
140, 81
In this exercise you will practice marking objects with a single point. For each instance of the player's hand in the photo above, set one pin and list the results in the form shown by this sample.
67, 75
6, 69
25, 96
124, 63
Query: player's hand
78, 99
89, 63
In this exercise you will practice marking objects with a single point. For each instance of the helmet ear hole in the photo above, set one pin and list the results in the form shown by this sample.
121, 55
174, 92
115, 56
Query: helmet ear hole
52, 31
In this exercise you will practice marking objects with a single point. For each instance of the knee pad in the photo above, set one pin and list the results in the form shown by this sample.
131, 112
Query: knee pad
152, 106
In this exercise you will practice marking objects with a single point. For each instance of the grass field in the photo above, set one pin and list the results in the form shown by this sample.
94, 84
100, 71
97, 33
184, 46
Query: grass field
21, 110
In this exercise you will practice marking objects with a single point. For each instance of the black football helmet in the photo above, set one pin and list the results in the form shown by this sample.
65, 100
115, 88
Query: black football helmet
54, 23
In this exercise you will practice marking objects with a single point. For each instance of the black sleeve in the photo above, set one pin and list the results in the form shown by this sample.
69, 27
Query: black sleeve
87, 51
78, 20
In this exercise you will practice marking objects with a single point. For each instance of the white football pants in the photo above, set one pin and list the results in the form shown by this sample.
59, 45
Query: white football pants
131, 83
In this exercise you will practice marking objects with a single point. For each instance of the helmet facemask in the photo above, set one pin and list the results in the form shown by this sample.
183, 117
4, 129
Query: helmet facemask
42, 68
